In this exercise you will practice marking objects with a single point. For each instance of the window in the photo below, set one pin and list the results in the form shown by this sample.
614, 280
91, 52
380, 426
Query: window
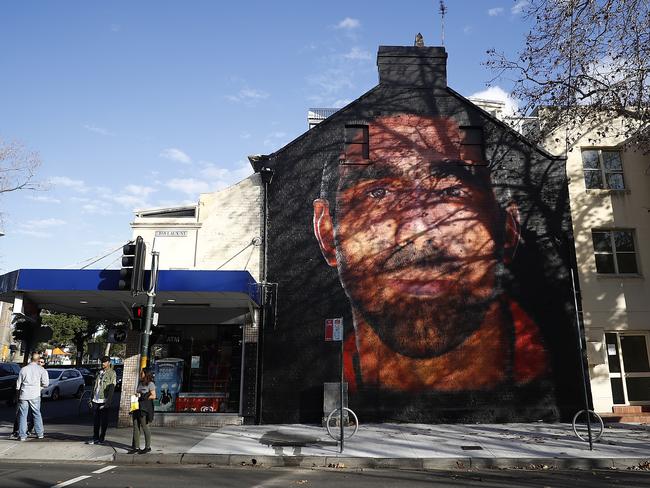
356, 143
614, 251
471, 144
603, 169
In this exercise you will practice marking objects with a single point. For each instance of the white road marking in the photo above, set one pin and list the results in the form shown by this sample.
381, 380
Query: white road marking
104, 469
69, 482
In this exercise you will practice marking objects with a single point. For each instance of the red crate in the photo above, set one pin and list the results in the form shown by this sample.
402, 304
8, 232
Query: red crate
198, 404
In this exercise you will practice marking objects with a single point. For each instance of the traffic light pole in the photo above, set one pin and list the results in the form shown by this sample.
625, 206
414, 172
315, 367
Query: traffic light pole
148, 317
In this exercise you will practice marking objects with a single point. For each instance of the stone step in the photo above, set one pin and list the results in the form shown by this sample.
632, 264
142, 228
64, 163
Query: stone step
633, 409
640, 417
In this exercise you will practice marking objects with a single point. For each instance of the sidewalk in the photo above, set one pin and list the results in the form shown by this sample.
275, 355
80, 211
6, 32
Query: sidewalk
414, 446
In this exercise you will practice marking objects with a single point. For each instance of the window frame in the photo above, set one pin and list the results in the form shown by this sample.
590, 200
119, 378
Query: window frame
363, 144
615, 253
602, 170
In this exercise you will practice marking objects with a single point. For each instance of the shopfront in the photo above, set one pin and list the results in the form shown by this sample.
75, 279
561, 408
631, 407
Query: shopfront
198, 368
203, 348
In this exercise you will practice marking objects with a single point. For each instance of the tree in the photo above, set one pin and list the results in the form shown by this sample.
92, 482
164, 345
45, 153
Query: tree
72, 329
17, 167
589, 61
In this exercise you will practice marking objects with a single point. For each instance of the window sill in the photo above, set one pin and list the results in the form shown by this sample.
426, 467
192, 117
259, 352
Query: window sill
607, 191
618, 276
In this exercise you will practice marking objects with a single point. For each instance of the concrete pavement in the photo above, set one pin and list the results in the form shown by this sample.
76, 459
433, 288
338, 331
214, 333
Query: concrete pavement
415, 446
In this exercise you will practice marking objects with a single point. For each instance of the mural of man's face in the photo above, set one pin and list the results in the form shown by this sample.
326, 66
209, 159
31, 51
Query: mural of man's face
418, 236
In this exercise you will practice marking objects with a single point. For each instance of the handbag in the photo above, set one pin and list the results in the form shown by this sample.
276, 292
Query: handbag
135, 403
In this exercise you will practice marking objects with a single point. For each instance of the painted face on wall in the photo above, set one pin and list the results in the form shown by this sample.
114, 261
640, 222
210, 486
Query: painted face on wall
418, 237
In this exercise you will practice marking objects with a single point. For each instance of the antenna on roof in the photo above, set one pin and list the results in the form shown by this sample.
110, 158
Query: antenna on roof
442, 11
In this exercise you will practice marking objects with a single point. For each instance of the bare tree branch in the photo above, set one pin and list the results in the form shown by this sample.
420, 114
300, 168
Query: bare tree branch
18, 167
586, 57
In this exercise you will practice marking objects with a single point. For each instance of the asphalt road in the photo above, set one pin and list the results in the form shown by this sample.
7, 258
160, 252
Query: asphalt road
110, 476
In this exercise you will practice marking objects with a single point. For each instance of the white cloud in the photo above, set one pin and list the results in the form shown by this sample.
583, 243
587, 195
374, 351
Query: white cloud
43, 198
175, 154
358, 54
190, 186
248, 95
493, 12
139, 190
467, 29
76, 185
332, 81
273, 139
348, 23
116, 27
51, 222
341, 102
98, 130
498, 94
245, 135
33, 233
97, 208
519, 7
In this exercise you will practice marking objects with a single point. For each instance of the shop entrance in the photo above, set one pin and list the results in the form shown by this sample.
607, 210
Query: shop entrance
629, 367
198, 368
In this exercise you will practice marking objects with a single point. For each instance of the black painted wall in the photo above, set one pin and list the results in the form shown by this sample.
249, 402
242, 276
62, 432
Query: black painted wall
297, 361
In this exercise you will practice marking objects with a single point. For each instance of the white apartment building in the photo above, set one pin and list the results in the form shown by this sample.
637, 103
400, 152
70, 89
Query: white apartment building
609, 193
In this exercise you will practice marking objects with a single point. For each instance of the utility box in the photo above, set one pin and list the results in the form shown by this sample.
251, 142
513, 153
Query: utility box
331, 400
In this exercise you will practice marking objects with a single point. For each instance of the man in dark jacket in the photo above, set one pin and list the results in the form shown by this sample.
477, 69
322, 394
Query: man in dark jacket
103, 389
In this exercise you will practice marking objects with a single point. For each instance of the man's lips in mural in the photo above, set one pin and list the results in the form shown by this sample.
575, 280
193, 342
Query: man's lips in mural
420, 287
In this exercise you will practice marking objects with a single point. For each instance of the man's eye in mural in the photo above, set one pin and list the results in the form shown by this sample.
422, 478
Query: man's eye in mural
377, 193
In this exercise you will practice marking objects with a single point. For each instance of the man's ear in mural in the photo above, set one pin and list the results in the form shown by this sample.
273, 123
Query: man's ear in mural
512, 232
324, 230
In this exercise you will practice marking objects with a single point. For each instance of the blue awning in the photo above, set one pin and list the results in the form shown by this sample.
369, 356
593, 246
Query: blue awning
186, 295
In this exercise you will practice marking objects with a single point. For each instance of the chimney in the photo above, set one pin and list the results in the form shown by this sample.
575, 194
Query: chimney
412, 66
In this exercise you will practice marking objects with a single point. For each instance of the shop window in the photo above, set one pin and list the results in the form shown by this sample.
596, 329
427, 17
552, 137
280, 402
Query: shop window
198, 368
614, 251
356, 143
603, 169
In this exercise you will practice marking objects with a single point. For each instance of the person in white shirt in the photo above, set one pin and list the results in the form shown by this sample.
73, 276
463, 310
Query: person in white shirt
31, 379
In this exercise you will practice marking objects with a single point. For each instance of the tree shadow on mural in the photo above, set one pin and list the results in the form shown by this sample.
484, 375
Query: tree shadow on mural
445, 248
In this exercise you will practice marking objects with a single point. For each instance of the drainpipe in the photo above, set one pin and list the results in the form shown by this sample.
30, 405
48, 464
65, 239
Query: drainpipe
260, 165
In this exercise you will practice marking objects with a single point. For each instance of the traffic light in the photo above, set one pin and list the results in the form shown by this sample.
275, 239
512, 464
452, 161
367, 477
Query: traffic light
132, 272
137, 318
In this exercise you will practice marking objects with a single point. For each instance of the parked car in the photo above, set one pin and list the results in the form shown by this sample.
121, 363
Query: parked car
64, 382
89, 376
8, 376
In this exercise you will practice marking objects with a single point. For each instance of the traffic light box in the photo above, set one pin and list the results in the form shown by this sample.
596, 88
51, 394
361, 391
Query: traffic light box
137, 318
132, 272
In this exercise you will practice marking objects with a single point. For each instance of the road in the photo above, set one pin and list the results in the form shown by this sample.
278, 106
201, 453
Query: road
111, 476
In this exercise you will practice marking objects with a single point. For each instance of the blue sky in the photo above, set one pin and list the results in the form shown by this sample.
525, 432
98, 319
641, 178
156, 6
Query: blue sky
146, 104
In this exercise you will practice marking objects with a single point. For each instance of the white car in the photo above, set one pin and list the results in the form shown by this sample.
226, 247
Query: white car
63, 382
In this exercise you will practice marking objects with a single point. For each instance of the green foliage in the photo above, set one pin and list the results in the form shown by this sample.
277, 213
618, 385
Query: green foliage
72, 330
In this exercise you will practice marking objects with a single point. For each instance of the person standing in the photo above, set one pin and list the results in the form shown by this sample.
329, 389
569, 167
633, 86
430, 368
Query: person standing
31, 379
142, 417
100, 404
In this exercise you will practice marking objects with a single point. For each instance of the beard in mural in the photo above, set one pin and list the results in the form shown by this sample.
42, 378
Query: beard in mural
421, 246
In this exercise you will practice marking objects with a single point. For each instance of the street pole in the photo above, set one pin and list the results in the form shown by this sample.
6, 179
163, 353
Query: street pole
582, 363
341, 389
148, 317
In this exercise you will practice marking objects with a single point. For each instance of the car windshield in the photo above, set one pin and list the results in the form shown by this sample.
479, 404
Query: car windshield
54, 374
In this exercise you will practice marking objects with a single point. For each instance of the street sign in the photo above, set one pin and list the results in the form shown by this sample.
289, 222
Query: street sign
334, 330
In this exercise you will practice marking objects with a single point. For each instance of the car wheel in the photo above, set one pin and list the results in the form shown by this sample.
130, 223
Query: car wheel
80, 391
55, 394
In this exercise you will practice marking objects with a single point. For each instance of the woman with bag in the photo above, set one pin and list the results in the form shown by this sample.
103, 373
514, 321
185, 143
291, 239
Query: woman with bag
143, 415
